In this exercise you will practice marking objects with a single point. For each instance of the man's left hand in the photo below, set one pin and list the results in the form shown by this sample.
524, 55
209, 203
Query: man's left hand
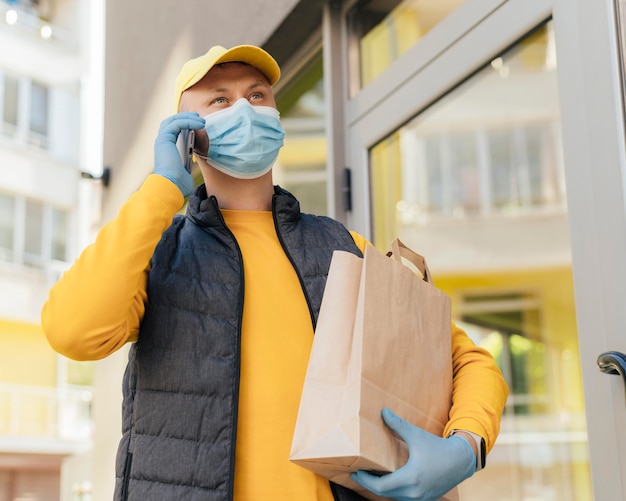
435, 465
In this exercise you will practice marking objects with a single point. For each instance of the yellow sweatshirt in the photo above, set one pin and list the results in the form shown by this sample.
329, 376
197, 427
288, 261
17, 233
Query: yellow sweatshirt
97, 307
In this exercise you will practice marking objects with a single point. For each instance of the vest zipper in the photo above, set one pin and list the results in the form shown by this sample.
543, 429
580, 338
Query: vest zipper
293, 263
235, 413
333, 487
127, 466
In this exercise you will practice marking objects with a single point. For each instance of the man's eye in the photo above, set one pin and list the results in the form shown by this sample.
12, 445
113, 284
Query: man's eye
219, 100
256, 96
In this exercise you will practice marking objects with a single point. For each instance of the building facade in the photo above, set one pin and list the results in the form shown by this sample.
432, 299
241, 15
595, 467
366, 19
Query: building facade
48, 80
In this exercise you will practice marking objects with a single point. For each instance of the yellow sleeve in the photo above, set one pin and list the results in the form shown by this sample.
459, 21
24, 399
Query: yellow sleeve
98, 304
479, 391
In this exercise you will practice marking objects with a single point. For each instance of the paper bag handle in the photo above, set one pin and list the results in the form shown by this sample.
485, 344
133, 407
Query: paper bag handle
400, 252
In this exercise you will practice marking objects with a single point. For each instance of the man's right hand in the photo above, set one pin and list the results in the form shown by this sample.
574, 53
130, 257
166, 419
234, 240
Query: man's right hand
167, 161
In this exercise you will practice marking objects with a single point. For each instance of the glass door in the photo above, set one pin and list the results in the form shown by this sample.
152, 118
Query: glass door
469, 146
590, 46
475, 182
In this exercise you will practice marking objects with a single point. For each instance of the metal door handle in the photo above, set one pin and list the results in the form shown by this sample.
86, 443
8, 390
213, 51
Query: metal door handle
613, 362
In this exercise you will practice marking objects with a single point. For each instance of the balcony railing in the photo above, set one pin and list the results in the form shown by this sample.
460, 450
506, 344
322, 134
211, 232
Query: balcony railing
51, 413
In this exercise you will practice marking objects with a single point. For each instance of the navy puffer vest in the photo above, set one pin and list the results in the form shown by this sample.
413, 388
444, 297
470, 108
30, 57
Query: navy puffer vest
181, 385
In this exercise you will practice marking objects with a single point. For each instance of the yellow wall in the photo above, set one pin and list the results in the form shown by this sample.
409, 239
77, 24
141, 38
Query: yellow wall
26, 357
554, 288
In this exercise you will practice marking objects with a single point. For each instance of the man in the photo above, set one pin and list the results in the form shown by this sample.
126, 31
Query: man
221, 306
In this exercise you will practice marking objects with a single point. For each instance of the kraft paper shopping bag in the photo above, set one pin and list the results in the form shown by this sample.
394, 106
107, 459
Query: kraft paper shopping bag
383, 339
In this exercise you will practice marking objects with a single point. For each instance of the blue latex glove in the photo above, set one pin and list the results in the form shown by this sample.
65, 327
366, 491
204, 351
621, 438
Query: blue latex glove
435, 465
167, 161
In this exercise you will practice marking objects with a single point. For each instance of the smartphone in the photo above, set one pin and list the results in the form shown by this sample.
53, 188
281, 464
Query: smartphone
184, 143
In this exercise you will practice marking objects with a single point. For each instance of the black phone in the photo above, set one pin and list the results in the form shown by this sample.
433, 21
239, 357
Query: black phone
184, 143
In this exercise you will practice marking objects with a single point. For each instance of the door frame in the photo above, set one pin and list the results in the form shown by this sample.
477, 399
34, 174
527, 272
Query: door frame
593, 141
472, 35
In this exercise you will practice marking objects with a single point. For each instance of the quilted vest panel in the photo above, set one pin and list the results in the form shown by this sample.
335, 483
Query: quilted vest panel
181, 384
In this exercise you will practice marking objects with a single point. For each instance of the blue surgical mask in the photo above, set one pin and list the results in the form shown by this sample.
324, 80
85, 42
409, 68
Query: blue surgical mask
244, 140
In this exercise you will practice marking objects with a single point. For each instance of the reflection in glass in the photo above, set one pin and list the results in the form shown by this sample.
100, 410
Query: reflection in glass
301, 164
509, 325
491, 147
475, 183
386, 30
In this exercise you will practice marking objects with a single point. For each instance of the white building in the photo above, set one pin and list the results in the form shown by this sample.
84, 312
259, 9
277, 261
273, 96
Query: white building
50, 133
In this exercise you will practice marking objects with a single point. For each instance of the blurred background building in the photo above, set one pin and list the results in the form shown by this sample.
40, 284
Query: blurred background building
486, 134
50, 90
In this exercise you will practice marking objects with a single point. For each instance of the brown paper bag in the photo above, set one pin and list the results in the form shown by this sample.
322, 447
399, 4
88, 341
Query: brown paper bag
383, 339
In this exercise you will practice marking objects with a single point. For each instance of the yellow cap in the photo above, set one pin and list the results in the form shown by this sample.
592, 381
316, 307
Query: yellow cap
194, 69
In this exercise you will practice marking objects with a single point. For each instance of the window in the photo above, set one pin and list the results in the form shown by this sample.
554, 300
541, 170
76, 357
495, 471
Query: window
509, 326
486, 171
490, 147
7, 216
474, 181
33, 244
59, 234
32, 232
301, 164
10, 100
541, 447
38, 111
25, 110
383, 31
